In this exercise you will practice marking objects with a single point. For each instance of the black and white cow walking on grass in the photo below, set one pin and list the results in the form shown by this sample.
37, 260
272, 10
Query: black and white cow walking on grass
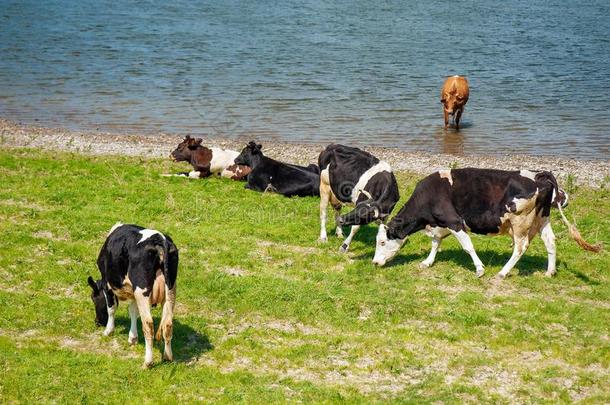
482, 201
140, 266
352, 176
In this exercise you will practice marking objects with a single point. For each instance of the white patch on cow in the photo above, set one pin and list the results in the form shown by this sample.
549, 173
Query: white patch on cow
554, 195
194, 174
528, 173
147, 233
143, 304
437, 234
548, 237
467, 245
325, 174
366, 176
520, 244
446, 174
325, 196
110, 324
345, 246
221, 159
524, 204
114, 227
133, 329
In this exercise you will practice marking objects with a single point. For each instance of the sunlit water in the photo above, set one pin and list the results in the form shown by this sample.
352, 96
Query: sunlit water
363, 73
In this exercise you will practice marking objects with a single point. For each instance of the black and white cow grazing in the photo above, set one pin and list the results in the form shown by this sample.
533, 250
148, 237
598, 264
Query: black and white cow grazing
352, 176
140, 266
483, 201
283, 178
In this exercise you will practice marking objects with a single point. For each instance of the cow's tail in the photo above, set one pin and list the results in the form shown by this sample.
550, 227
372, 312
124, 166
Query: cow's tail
166, 260
166, 276
574, 234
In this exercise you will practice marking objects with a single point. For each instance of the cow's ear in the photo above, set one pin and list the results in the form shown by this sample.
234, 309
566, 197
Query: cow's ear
259, 146
93, 285
186, 138
198, 141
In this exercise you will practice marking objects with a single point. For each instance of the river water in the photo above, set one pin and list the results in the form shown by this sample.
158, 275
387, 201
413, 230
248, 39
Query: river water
357, 72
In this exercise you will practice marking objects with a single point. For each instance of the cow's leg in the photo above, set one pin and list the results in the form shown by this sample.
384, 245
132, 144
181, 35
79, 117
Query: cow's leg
143, 304
324, 200
467, 245
548, 237
111, 310
133, 329
438, 234
521, 242
166, 325
337, 208
458, 115
345, 246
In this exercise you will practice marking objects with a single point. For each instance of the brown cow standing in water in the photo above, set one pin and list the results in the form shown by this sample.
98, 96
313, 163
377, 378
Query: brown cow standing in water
454, 97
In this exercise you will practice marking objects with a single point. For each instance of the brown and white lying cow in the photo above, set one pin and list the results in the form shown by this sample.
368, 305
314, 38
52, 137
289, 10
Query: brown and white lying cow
454, 96
208, 161
483, 201
139, 266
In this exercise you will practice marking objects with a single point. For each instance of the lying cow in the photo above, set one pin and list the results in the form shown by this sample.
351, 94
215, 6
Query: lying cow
138, 265
353, 176
454, 97
208, 161
283, 178
483, 201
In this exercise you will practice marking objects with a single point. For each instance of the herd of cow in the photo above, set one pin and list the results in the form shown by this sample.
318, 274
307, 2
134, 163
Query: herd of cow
140, 265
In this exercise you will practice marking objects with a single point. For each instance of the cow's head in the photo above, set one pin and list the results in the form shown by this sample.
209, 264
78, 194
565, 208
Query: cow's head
249, 154
364, 213
387, 246
184, 150
452, 100
547, 180
99, 301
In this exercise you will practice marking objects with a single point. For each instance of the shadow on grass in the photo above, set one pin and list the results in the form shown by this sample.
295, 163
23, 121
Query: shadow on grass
582, 276
526, 266
366, 234
187, 343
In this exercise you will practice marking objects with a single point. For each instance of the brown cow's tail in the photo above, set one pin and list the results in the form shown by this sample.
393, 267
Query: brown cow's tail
576, 235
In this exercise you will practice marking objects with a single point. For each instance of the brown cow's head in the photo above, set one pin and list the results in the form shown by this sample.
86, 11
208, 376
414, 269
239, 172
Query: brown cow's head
184, 150
452, 100
99, 301
249, 155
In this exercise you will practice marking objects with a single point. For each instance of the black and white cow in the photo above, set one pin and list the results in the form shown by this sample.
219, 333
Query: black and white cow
270, 175
482, 201
140, 266
352, 176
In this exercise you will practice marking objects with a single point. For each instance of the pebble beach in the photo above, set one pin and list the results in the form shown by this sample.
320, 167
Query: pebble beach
158, 145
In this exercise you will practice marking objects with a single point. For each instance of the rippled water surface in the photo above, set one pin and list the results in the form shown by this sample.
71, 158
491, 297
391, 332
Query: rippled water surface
366, 73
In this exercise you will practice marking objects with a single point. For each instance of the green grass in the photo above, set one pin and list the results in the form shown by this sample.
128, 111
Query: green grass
266, 314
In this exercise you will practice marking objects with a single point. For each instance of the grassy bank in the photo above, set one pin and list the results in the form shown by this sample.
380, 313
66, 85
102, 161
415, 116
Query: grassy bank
266, 314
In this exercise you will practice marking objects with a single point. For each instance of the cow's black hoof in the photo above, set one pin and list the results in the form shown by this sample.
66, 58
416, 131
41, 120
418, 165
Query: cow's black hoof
343, 248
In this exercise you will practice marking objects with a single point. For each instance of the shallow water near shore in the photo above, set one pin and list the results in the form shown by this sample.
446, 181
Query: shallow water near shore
361, 73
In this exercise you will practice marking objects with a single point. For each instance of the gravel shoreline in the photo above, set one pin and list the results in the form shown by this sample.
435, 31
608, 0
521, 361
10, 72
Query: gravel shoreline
14, 135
